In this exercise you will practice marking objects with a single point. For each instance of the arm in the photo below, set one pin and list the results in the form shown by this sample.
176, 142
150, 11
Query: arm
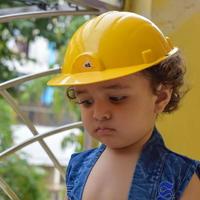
192, 191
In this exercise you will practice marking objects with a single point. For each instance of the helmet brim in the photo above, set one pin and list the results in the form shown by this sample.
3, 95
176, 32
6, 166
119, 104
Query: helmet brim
99, 76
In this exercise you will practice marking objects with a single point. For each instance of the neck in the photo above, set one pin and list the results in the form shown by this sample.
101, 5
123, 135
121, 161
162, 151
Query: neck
134, 148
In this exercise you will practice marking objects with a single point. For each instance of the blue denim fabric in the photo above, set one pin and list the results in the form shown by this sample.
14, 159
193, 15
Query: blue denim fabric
160, 174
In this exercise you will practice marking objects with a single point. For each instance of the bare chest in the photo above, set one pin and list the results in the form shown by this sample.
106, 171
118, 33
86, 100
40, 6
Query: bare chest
109, 180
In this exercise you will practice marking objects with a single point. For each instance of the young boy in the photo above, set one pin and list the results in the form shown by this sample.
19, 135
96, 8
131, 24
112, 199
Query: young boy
124, 72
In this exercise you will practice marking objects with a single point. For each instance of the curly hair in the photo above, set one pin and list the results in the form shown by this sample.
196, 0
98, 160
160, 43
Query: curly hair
70, 93
169, 72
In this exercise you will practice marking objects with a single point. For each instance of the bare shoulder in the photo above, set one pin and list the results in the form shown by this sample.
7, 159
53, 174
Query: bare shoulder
192, 191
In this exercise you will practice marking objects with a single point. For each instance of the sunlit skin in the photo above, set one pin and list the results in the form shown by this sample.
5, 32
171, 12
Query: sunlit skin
120, 113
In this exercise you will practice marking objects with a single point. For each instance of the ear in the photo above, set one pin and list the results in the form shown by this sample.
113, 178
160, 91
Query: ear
163, 96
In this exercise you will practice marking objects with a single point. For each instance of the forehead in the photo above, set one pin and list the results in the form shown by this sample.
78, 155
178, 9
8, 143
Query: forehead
127, 82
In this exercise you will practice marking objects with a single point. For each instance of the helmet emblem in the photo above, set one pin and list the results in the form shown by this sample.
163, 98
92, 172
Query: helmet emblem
87, 64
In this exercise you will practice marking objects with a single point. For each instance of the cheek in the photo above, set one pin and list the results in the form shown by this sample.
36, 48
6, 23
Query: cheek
86, 117
83, 115
148, 112
140, 110
148, 106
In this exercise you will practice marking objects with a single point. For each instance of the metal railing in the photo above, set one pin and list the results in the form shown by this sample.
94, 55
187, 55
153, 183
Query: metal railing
37, 137
93, 7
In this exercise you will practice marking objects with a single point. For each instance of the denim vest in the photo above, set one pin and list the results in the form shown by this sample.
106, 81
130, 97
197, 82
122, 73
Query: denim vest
160, 174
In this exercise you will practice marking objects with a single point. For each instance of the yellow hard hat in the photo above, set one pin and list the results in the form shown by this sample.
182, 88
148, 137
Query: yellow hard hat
112, 45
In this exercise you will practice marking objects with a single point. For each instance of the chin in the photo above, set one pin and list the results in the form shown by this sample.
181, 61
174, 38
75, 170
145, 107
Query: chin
115, 146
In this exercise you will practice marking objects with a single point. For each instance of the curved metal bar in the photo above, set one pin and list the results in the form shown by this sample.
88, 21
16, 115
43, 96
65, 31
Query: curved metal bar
100, 5
8, 11
25, 143
22, 79
43, 14
7, 190
32, 128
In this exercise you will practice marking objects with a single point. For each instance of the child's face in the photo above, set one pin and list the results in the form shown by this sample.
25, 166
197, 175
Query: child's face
119, 112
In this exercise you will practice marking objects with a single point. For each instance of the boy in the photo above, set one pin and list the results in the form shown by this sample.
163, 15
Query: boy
124, 72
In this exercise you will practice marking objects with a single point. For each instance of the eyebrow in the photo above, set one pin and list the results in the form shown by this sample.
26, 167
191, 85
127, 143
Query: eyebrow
77, 92
116, 86
109, 87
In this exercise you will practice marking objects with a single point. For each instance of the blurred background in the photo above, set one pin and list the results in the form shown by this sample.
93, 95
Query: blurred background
30, 45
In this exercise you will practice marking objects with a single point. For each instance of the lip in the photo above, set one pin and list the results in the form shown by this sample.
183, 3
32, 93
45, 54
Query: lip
104, 131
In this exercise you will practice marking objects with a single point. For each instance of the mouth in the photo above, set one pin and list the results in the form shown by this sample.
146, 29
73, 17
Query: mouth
104, 131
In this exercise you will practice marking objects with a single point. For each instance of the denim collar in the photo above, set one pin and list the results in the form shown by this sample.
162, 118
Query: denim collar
148, 168
160, 174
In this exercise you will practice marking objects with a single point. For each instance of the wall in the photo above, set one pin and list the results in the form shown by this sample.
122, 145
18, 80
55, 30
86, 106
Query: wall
180, 20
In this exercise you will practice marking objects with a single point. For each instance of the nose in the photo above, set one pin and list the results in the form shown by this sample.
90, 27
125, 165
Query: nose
101, 111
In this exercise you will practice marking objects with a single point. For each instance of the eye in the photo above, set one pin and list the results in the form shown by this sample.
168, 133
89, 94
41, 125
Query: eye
86, 103
117, 99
